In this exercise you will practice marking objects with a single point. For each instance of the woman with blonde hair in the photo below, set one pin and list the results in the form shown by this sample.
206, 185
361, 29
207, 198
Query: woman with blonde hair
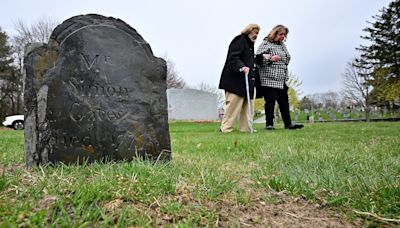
272, 59
239, 62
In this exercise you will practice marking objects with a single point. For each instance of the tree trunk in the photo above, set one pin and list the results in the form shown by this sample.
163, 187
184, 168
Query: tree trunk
367, 113
12, 104
18, 105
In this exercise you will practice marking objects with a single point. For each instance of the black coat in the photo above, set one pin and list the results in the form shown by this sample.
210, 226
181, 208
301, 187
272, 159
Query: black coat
240, 54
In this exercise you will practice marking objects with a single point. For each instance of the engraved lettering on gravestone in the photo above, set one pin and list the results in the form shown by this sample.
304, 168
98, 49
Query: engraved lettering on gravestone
107, 59
86, 89
90, 62
116, 141
74, 141
127, 139
68, 141
77, 114
74, 114
86, 141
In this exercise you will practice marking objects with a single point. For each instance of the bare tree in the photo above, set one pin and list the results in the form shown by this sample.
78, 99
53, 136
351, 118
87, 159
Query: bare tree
213, 89
356, 87
316, 100
12, 80
38, 32
330, 99
173, 79
324, 100
347, 103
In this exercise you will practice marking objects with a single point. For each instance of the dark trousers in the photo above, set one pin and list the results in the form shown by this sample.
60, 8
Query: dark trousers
281, 96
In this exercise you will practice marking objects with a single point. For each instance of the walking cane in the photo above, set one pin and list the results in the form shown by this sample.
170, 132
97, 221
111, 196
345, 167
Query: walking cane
248, 102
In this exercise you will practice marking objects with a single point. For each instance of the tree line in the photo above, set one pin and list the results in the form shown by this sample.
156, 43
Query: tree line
373, 77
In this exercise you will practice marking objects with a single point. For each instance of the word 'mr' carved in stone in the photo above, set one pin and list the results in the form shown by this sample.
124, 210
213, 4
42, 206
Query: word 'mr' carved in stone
90, 62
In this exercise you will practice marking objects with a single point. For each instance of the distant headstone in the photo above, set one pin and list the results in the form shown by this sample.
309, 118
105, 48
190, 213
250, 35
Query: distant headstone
192, 104
95, 92
296, 115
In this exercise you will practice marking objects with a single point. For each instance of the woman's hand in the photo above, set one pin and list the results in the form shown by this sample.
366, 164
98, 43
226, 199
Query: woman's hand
245, 70
275, 58
267, 56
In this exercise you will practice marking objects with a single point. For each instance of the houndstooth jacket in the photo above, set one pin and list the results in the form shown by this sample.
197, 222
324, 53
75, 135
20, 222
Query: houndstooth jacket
273, 74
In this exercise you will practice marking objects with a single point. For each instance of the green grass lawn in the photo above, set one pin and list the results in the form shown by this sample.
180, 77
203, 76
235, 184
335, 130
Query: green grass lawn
347, 167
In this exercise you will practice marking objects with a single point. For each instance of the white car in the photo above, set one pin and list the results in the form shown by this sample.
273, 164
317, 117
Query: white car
14, 121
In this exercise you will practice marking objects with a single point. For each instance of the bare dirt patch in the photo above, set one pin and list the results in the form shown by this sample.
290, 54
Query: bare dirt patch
285, 212
279, 210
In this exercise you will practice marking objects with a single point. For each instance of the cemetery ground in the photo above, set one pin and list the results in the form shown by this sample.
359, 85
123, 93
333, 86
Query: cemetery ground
325, 175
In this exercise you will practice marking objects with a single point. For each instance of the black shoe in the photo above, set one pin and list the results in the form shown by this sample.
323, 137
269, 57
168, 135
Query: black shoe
294, 126
269, 127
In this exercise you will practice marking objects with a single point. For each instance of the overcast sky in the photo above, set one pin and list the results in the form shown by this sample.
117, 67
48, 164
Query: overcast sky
195, 35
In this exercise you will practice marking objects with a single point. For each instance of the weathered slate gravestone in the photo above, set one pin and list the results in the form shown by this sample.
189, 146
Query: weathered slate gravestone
95, 92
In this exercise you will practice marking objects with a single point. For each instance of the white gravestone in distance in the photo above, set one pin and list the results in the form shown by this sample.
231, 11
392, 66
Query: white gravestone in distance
191, 104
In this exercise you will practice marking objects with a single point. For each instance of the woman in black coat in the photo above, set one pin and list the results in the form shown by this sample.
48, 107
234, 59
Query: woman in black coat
240, 60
